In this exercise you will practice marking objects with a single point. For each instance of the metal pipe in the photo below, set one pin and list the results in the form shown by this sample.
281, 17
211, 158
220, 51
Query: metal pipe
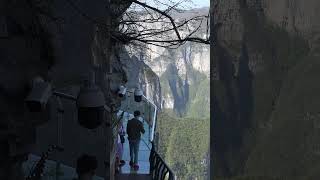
59, 133
64, 95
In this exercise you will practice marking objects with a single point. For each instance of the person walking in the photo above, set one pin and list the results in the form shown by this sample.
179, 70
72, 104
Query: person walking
119, 161
122, 133
134, 130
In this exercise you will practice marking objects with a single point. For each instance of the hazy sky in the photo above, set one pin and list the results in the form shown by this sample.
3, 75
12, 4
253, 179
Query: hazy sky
202, 3
194, 4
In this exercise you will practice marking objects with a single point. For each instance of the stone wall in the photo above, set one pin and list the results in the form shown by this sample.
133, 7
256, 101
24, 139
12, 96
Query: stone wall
60, 41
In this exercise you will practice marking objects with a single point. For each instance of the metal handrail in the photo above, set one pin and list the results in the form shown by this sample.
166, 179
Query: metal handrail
159, 170
37, 171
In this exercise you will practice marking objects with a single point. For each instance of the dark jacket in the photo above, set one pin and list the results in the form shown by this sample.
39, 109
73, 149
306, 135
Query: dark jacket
134, 129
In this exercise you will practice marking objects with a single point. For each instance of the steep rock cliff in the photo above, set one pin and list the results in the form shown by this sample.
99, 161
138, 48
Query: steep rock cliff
264, 63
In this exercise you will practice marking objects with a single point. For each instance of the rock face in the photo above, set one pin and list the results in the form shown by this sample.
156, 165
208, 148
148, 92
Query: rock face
264, 59
22, 57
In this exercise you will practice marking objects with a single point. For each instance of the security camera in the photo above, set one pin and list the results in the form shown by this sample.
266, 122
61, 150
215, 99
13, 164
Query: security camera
122, 91
39, 95
138, 95
90, 103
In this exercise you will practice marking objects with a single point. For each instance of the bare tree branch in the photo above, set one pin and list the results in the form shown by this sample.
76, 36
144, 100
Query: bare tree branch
137, 26
162, 13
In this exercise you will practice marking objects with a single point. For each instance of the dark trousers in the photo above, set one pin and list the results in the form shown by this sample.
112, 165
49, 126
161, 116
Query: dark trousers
134, 150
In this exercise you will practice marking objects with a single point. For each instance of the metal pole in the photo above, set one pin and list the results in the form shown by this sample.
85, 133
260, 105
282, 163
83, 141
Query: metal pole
64, 95
59, 133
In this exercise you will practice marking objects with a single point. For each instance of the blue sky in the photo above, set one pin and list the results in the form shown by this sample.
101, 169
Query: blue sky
187, 4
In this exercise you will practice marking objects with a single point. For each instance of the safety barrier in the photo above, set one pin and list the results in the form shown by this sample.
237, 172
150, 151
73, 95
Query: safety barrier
159, 170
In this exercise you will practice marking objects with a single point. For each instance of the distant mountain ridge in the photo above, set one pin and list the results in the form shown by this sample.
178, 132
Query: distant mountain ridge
181, 70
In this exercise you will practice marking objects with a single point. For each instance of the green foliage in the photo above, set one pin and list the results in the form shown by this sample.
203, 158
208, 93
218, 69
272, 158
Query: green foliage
200, 104
184, 143
166, 122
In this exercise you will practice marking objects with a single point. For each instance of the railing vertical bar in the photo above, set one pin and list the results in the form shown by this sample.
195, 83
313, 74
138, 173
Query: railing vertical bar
158, 168
161, 168
165, 171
